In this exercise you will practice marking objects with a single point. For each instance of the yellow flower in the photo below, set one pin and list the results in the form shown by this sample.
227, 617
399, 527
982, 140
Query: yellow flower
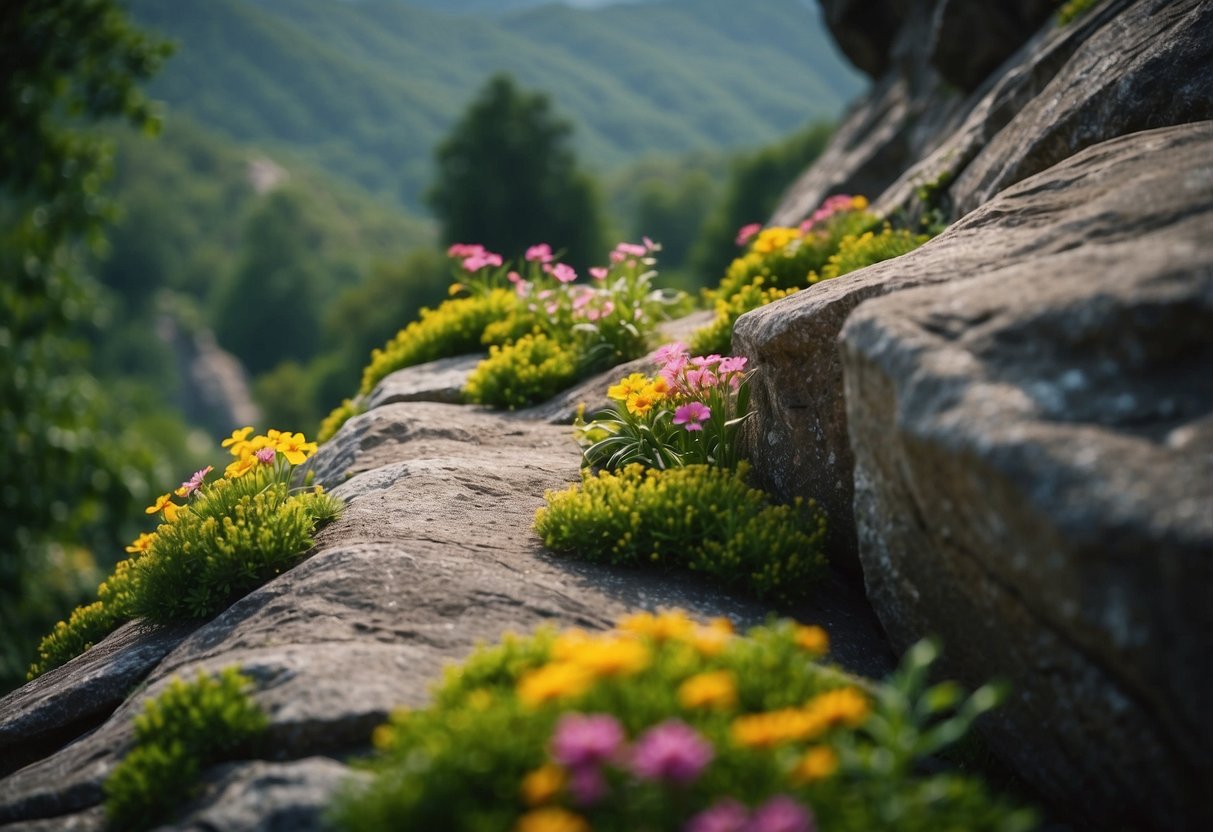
553, 681
142, 544
814, 640
846, 706
164, 503
613, 656
659, 387
716, 689
542, 784
818, 763
627, 386
774, 239
237, 440
240, 467
772, 728
858, 203
295, 447
641, 402
710, 641
672, 624
551, 819
454, 289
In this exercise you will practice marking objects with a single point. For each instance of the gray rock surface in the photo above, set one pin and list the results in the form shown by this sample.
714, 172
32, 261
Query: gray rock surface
433, 554
1115, 193
438, 381
1034, 472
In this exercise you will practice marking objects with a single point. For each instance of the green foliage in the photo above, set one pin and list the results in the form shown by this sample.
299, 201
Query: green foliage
68, 462
190, 726
756, 183
532, 369
688, 414
507, 177
857, 252
553, 727
235, 537
454, 328
699, 518
717, 337
1072, 10
368, 89
231, 536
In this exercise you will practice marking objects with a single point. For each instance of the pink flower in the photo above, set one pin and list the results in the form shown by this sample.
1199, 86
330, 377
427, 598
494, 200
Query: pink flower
725, 815
583, 298
781, 814
599, 272
631, 250
650, 245
732, 364
705, 360
464, 250
697, 380
671, 752
195, 482
667, 354
562, 272
476, 262
582, 740
541, 252
265, 455
514, 278
693, 415
608, 308
747, 232
552, 308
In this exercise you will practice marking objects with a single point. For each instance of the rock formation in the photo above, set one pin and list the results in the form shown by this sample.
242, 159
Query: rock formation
1015, 450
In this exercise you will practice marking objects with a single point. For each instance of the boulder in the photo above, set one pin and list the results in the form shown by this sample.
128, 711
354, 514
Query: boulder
433, 554
436, 381
1033, 446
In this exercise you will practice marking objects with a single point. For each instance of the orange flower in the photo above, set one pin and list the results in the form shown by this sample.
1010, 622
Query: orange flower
551, 819
142, 544
818, 763
813, 640
846, 706
669, 625
553, 681
714, 690
542, 784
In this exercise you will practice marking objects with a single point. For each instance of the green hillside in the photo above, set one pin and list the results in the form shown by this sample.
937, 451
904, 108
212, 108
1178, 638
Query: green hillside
366, 89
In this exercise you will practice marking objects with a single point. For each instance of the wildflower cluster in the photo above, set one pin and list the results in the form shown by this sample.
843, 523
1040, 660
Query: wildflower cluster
778, 261
577, 327
668, 723
539, 306
219, 538
688, 413
187, 728
701, 518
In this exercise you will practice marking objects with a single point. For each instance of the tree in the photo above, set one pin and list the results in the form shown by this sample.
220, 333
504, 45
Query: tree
507, 178
65, 64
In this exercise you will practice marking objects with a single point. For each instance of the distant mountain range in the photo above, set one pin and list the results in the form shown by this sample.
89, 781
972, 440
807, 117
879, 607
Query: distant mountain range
366, 88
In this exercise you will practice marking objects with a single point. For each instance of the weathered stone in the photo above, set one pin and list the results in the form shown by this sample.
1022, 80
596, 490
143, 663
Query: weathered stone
433, 553
64, 703
1034, 481
864, 31
265, 797
438, 381
1115, 193
971, 38
1149, 67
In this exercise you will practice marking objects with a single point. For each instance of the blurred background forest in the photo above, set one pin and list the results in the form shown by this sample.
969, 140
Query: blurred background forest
313, 157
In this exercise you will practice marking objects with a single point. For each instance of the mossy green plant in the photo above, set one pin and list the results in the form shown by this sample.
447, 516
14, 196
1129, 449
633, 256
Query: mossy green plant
699, 518
190, 726
532, 369
230, 536
669, 723
860, 251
